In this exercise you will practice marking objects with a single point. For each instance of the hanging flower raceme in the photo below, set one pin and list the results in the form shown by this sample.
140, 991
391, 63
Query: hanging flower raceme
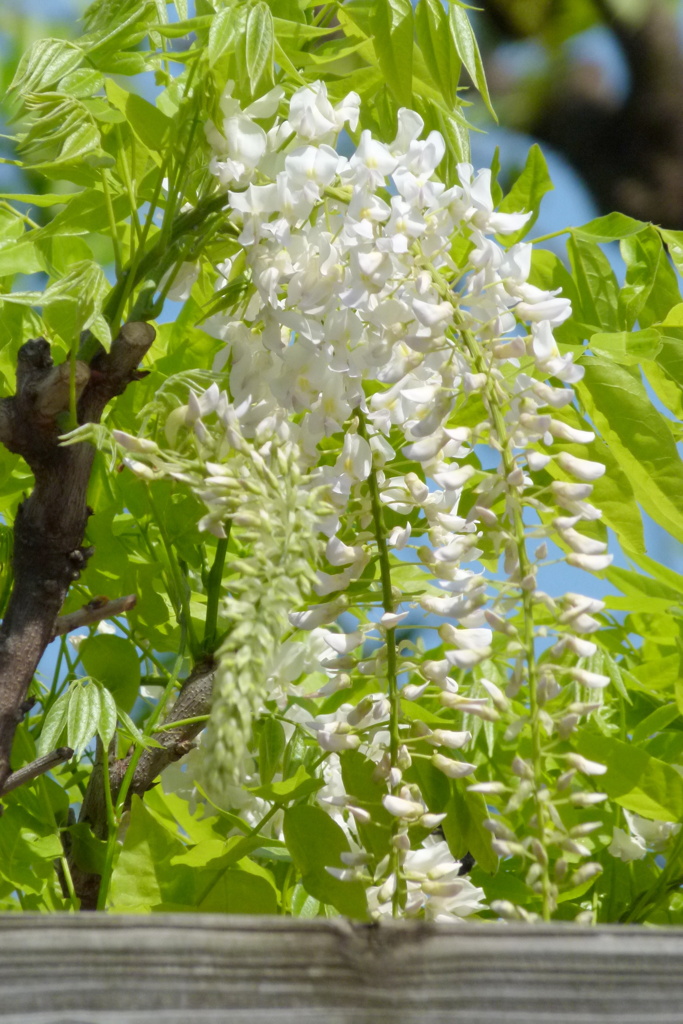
383, 309
386, 338
254, 486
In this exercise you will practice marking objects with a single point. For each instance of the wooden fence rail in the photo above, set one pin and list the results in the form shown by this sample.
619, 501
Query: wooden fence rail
206, 969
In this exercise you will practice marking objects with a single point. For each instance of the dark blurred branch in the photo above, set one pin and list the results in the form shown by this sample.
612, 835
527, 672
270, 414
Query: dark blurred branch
628, 151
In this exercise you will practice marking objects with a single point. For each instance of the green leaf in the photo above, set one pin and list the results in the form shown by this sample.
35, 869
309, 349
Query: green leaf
89, 853
295, 753
639, 438
468, 51
44, 63
86, 213
148, 742
674, 318
635, 584
634, 779
674, 243
670, 355
20, 258
315, 842
113, 661
596, 287
438, 50
609, 228
303, 905
260, 38
71, 303
655, 722
644, 256
272, 744
83, 716
527, 192
357, 773
144, 876
663, 573
221, 34
628, 347
54, 725
123, 32
464, 829
613, 494
151, 126
392, 28
44, 199
106, 726
178, 29
240, 892
294, 788
650, 276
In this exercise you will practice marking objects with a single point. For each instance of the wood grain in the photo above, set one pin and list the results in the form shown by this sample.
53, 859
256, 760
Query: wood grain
205, 969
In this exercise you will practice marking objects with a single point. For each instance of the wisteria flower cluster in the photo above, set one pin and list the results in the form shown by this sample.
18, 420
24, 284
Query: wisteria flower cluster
396, 341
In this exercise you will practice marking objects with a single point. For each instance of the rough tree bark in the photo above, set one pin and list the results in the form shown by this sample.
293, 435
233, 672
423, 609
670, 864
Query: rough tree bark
50, 524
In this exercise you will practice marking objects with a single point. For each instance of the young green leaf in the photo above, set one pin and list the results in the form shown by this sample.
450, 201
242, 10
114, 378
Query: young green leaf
106, 726
221, 34
596, 286
609, 228
260, 38
54, 725
393, 41
438, 50
527, 192
468, 50
44, 63
638, 436
272, 743
83, 715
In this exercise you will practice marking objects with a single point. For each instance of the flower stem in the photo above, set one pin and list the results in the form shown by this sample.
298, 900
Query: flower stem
515, 512
392, 672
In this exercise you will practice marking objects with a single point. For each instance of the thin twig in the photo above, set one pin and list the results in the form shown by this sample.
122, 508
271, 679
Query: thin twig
35, 768
94, 611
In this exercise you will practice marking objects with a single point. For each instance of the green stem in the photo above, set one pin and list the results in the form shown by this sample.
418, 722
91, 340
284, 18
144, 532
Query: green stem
64, 864
118, 262
112, 828
553, 234
392, 660
128, 182
181, 723
213, 592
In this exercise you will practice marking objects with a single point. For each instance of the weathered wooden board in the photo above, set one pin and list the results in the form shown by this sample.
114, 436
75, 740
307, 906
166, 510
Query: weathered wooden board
205, 969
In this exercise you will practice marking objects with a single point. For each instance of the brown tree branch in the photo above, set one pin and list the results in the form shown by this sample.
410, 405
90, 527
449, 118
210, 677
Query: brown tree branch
38, 767
50, 524
93, 612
